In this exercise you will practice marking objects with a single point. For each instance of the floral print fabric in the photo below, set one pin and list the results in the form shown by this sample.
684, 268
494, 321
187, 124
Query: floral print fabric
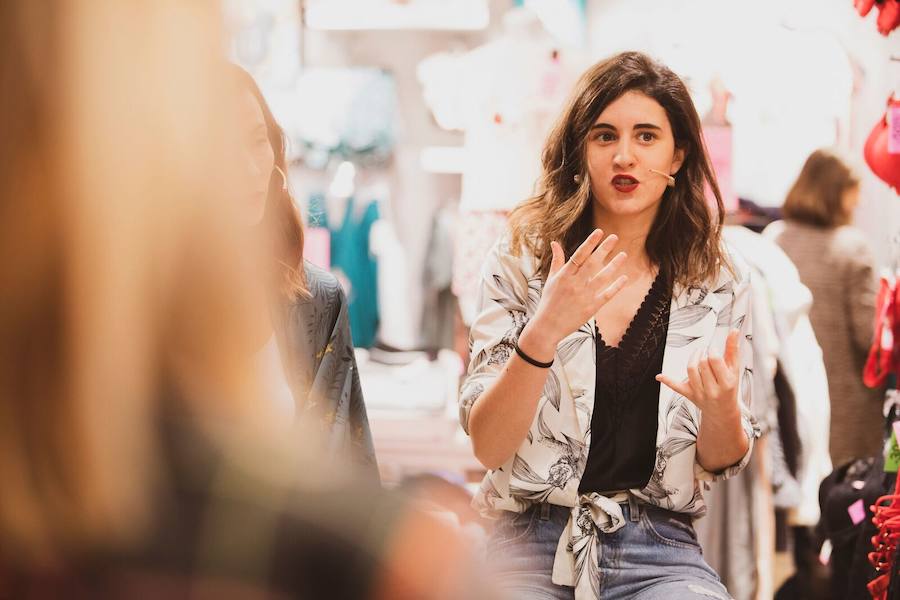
548, 465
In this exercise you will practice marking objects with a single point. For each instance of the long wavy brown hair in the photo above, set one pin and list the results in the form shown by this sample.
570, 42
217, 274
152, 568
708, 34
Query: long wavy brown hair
817, 196
281, 220
685, 238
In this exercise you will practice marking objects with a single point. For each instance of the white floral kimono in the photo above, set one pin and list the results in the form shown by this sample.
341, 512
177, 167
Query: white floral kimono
549, 464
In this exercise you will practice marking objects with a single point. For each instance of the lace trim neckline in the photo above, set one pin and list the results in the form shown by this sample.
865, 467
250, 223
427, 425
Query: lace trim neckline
639, 318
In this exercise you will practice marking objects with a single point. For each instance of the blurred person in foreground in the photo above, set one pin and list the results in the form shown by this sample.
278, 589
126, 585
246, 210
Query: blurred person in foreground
138, 456
836, 263
306, 359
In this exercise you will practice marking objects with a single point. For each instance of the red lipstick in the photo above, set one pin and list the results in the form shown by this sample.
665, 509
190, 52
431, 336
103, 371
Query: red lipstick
625, 183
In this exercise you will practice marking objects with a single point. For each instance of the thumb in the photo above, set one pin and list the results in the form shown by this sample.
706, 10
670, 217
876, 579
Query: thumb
731, 348
559, 258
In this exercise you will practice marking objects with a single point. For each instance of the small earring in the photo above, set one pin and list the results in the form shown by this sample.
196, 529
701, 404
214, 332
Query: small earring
284, 183
577, 179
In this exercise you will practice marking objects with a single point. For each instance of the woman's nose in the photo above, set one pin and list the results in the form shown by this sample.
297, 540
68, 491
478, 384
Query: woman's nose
623, 157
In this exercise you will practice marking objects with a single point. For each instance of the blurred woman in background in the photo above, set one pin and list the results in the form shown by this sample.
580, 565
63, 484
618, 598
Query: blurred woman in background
138, 456
837, 265
307, 358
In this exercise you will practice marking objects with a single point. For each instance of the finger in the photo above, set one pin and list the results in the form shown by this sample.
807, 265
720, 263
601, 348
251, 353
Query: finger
678, 387
723, 374
604, 274
605, 296
708, 379
559, 257
731, 348
693, 373
595, 261
586, 248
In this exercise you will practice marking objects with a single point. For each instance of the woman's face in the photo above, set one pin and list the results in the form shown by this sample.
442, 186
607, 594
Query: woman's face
631, 136
258, 158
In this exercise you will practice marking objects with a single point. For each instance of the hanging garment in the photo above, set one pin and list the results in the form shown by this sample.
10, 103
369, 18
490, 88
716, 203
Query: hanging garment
787, 419
837, 266
505, 96
737, 547
847, 498
317, 246
888, 13
439, 313
718, 140
800, 358
473, 239
858, 483
888, 16
884, 356
881, 155
353, 263
340, 114
874, 563
397, 326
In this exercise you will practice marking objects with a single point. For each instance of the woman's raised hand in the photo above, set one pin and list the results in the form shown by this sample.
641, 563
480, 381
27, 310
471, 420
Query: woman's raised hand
712, 381
576, 289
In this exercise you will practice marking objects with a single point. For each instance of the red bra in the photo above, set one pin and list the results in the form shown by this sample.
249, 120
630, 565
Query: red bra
884, 357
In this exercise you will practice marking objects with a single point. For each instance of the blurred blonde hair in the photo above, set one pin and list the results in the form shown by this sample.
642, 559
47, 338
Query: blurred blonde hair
817, 196
121, 274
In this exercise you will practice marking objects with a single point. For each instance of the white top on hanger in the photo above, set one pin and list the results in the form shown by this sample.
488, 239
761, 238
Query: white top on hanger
504, 95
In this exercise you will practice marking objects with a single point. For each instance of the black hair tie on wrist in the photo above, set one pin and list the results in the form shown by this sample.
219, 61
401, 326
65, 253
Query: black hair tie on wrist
531, 361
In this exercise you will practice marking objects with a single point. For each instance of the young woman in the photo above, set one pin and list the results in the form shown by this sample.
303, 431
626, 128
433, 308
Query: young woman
307, 358
836, 263
611, 356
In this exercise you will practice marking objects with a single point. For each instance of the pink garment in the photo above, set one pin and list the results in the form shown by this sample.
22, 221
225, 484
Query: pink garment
718, 144
317, 246
475, 235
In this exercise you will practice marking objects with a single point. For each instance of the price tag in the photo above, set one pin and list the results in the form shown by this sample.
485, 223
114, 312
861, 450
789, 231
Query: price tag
857, 512
893, 122
892, 455
825, 553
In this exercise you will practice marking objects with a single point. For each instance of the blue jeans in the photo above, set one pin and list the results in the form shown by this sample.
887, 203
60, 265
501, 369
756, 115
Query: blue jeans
655, 556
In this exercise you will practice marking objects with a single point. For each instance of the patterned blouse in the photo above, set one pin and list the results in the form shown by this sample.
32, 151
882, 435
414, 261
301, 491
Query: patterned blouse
549, 464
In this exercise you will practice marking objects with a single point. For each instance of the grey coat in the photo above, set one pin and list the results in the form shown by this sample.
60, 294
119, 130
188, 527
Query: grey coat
838, 267
314, 339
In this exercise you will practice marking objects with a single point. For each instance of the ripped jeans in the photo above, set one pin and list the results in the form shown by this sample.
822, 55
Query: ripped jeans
655, 556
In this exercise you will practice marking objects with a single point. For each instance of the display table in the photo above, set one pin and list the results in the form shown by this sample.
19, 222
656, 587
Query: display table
414, 417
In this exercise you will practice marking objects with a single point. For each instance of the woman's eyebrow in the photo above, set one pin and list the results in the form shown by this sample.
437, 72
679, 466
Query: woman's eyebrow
638, 126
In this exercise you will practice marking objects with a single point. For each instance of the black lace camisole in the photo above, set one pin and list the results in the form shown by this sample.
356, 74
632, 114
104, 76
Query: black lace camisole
626, 399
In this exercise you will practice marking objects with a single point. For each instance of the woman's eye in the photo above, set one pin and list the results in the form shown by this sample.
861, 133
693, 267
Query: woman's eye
646, 136
605, 137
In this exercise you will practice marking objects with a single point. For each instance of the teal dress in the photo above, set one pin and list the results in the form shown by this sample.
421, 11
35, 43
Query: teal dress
350, 255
